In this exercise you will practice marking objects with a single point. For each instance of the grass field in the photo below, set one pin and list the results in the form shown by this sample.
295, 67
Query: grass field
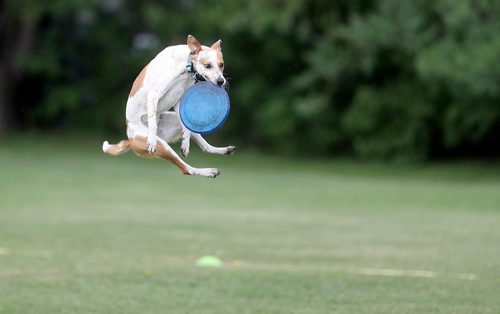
82, 232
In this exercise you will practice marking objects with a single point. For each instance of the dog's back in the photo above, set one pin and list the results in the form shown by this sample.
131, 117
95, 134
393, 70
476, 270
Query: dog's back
159, 77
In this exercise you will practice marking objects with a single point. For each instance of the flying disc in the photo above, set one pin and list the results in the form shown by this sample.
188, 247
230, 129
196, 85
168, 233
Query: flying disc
204, 107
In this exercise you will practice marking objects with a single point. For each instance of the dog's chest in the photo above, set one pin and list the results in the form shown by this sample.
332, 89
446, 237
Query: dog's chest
173, 94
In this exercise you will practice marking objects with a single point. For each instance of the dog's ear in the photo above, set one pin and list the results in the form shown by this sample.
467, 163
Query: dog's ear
193, 44
216, 45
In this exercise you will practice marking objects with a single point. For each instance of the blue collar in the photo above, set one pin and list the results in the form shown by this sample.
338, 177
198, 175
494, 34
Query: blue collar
197, 77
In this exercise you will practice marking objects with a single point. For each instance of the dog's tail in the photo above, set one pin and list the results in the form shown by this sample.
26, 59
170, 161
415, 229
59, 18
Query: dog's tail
116, 149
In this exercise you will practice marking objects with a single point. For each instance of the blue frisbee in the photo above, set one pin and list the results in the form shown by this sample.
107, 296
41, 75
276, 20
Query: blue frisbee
204, 107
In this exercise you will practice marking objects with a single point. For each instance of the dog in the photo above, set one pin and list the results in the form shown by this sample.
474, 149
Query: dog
151, 123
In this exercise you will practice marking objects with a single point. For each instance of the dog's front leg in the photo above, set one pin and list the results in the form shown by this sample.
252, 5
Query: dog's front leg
152, 123
229, 150
185, 143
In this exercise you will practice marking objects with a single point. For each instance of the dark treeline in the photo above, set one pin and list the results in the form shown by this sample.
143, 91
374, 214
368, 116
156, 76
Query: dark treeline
386, 79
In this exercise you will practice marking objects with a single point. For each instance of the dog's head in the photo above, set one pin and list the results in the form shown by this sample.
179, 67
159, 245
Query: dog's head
207, 61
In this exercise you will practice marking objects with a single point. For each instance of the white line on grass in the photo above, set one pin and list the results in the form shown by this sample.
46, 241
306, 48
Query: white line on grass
395, 272
242, 265
410, 273
389, 272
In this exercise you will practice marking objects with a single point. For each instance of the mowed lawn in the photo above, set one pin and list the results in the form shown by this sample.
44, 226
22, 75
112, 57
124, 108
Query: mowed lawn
83, 232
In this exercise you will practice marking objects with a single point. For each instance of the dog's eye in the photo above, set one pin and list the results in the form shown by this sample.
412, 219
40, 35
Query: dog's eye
208, 65
221, 65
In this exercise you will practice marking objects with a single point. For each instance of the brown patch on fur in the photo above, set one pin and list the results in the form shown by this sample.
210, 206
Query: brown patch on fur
138, 82
118, 149
138, 146
204, 61
220, 60
193, 44
216, 45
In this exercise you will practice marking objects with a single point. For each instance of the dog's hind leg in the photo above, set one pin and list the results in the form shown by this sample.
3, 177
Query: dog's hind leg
163, 150
116, 149
212, 149
169, 127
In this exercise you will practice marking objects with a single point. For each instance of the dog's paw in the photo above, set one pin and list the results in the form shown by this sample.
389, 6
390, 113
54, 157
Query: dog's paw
213, 172
185, 153
230, 150
208, 172
151, 144
185, 149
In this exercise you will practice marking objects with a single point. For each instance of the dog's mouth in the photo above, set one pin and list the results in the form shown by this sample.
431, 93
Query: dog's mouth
222, 82
202, 78
224, 85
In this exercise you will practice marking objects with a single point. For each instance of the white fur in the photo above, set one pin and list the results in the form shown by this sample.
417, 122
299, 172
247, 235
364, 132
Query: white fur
149, 111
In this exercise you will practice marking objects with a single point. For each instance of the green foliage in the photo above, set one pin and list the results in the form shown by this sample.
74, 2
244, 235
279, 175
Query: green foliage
464, 63
392, 122
378, 79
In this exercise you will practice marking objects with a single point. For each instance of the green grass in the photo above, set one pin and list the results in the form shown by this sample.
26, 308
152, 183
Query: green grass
82, 232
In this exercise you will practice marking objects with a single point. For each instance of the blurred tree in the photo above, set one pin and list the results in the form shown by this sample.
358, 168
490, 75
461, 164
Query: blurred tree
74, 59
17, 33
379, 79
387, 79
460, 64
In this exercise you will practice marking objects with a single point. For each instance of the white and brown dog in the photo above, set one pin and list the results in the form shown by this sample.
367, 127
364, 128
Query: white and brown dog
151, 124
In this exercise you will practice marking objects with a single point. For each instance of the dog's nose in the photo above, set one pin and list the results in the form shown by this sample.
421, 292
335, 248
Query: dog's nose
220, 81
